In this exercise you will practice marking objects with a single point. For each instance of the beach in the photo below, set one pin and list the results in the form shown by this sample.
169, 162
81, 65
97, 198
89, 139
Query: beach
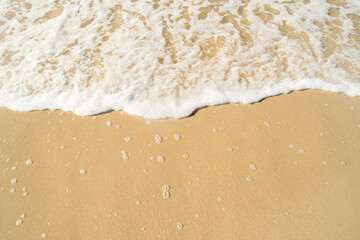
206, 120
286, 167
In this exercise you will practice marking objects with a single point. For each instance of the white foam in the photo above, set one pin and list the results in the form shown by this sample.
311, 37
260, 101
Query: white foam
57, 64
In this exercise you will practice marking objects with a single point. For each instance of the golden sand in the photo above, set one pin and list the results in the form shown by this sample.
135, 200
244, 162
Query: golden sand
285, 168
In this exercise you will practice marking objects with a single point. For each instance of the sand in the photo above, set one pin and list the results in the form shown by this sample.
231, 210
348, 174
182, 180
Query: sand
284, 168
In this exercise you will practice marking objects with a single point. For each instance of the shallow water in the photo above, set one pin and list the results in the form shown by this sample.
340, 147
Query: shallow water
163, 59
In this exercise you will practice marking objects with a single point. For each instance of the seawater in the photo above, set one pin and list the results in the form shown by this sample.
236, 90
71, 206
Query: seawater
164, 58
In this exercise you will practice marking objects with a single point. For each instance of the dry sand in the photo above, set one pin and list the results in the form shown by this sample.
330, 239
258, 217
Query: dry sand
285, 168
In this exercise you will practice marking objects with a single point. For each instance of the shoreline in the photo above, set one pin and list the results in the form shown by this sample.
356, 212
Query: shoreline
282, 168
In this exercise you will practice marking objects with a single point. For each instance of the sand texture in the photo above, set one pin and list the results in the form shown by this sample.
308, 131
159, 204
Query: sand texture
284, 168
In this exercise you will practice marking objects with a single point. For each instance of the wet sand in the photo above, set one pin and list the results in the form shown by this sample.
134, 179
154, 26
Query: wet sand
285, 168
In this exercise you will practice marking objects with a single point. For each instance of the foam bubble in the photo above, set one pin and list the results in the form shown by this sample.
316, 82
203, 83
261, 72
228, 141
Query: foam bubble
125, 155
177, 137
166, 187
19, 222
14, 180
28, 162
166, 195
158, 139
249, 179
161, 159
252, 166
179, 226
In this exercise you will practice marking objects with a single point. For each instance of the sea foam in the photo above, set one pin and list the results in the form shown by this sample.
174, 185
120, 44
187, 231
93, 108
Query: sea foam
161, 58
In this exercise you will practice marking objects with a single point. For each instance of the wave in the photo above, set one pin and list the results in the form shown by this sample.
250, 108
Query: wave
161, 59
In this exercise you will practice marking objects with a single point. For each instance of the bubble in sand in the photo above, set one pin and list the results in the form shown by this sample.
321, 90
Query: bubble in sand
142, 229
343, 163
179, 226
219, 198
13, 190
177, 137
124, 154
267, 124
28, 162
166, 187
197, 215
252, 166
161, 159
62, 147
75, 138
25, 194
82, 171
22, 215
128, 139
185, 155
230, 149
43, 235
302, 150
19, 222
249, 179
158, 139
166, 195
94, 117
291, 146
152, 158
215, 130
14, 180
108, 123
138, 202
